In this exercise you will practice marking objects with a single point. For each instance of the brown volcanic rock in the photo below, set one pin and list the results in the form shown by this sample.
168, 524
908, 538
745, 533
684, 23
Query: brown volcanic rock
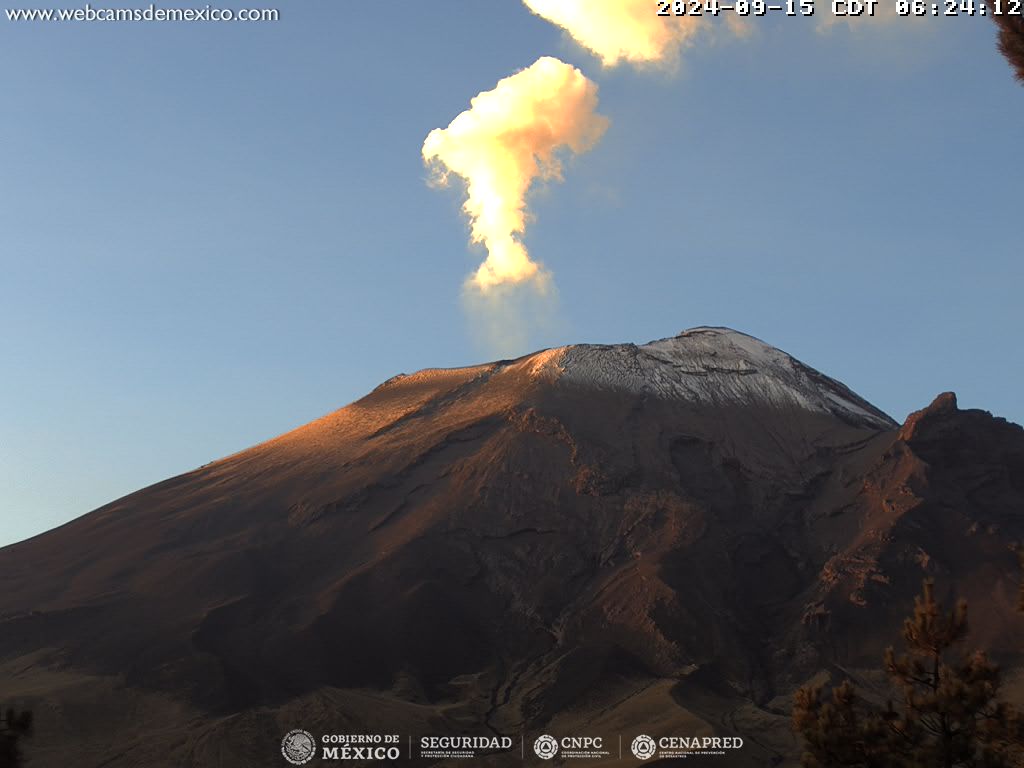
941, 499
930, 418
591, 540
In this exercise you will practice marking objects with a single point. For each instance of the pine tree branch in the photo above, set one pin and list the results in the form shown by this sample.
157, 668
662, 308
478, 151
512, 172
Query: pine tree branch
1011, 45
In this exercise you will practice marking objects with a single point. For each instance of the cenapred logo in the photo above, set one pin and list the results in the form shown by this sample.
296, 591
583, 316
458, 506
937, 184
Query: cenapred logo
546, 747
681, 747
298, 746
643, 747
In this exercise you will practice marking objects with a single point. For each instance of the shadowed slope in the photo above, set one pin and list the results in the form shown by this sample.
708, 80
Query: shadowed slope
584, 538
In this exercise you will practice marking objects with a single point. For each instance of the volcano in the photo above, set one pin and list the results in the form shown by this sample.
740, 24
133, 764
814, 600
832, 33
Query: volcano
662, 539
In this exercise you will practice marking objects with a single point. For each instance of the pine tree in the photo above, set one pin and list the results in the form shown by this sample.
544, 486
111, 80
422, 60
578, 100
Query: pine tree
842, 732
947, 713
1011, 37
13, 727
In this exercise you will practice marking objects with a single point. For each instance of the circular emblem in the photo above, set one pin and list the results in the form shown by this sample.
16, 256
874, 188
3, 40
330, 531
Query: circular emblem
298, 747
643, 747
546, 747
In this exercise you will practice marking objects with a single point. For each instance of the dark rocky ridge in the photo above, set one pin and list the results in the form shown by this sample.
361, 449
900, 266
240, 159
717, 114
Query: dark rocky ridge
516, 547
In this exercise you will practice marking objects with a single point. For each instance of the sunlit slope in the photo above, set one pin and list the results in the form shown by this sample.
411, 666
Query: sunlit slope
571, 539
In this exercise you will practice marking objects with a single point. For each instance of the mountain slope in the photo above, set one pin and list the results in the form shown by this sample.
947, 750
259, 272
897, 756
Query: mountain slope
612, 538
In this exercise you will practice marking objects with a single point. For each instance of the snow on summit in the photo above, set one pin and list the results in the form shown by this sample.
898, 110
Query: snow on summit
715, 365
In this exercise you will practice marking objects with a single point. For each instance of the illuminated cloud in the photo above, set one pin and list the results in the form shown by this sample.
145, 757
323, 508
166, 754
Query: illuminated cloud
620, 30
508, 138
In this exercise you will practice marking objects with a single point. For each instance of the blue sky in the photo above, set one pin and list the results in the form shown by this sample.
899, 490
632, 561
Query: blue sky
212, 233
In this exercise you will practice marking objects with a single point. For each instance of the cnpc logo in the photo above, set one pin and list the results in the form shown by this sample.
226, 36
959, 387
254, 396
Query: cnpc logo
546, 747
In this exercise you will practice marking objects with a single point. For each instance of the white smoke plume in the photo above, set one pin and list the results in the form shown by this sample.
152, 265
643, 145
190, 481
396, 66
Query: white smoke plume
508, 138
